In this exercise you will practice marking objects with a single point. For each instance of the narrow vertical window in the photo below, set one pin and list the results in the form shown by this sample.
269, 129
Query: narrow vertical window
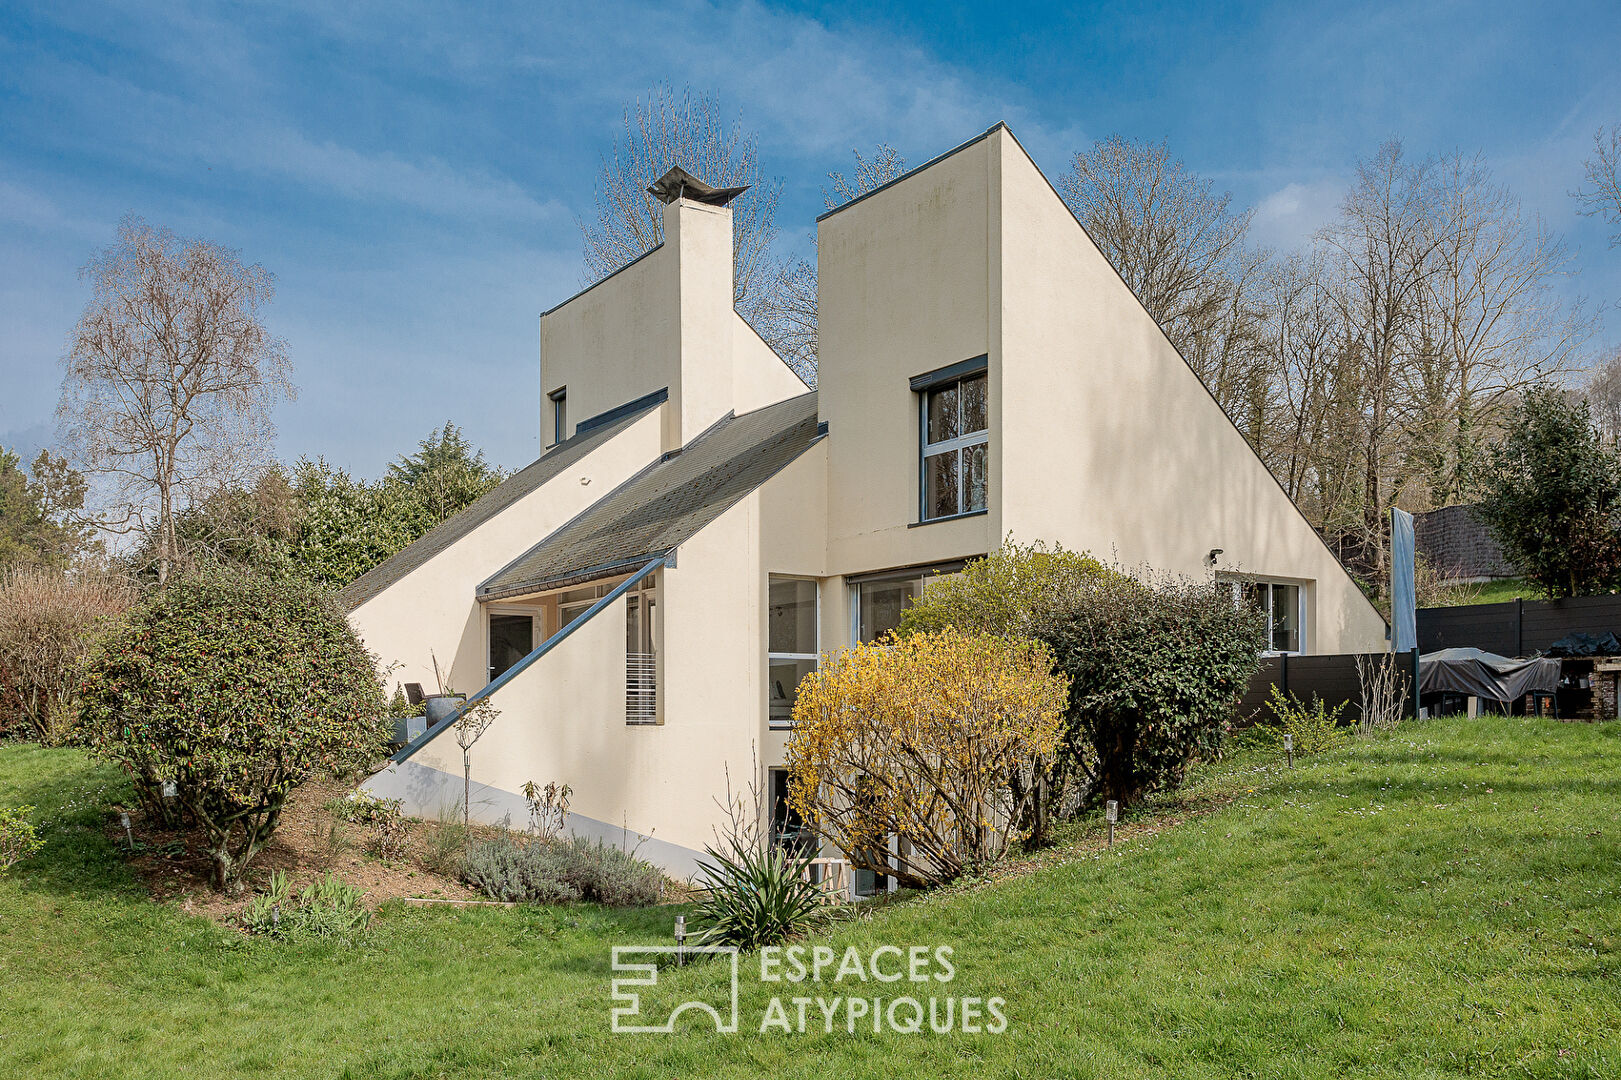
791, 644
641, 656
559, 399
512, 637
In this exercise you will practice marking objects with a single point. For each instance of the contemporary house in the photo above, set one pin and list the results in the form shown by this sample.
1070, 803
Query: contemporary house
641, 602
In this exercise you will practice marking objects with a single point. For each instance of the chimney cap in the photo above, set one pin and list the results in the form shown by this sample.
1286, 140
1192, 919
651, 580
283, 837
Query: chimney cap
678, 183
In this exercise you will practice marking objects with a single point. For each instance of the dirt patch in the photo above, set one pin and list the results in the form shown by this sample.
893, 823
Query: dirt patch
310, 842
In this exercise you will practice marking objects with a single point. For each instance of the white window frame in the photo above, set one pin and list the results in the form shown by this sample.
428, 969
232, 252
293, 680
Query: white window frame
537, 631
647, 599
1300, 587
814, 657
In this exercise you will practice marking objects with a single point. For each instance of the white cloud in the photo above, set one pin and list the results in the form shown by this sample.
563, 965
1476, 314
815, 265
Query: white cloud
1287, 218
425, 183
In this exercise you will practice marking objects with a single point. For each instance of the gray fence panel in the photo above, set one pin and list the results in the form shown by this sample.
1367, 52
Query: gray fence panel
1330, 679
1519, 627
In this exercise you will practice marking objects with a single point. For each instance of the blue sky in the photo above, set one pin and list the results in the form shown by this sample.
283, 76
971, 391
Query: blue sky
412, 173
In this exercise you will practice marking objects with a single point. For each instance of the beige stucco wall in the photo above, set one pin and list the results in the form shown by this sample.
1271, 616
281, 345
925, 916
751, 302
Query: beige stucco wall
1110, 443
431, 611
759, 377
664, 322
1101, 437
563, 718
904, 288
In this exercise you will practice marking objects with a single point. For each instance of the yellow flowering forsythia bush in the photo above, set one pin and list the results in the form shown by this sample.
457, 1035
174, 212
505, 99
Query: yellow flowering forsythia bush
925, 740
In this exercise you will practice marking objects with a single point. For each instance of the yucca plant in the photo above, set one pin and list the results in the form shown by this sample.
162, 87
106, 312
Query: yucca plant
758, 895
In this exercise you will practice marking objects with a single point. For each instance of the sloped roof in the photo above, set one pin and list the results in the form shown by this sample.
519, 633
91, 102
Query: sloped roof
667, 503
588, 435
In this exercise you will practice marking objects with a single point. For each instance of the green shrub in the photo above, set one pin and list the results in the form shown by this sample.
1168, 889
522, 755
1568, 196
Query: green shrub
561, 870
236, 689
325, 908
1314, 729
1156, 668
1013, 592
18, 837
758, 896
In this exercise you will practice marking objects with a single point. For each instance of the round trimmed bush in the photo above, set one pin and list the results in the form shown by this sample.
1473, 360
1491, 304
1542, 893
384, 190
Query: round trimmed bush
236, 689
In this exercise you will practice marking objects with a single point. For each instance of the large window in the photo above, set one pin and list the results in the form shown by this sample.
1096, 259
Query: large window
955, 428
1280, 602
878, 602
791, 643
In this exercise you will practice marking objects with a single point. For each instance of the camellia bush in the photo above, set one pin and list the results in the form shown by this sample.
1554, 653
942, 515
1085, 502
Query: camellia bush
235, 689
919, 740
1155, 671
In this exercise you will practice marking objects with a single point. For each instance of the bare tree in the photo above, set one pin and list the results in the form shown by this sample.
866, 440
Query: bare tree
1600, 195
885, 165
1383, 245
1182, 249
169, 377
796, 319
1491, 322
1604, 397
665, 129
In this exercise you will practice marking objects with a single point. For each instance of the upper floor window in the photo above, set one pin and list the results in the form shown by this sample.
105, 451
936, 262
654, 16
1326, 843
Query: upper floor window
955, 428
1283, 605
559, 400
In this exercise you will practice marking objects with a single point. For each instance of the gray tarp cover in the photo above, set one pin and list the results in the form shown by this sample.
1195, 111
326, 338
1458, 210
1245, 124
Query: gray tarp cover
1484, 674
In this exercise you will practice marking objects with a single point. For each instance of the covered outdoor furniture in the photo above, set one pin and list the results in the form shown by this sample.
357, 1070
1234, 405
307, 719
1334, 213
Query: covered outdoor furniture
1477, 673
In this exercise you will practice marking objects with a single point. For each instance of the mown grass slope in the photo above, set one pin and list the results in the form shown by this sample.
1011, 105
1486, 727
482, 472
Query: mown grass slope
1441, 901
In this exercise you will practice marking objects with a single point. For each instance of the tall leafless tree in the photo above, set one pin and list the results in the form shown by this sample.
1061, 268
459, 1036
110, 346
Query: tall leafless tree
1383, 244
1600, 195
666, 128
1492, 324
170, 375
1183, 251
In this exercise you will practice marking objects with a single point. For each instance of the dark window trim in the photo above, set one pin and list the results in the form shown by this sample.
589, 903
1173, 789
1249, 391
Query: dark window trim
558, 397
916, 570
949, 517
609, 416
951, 373
921, 385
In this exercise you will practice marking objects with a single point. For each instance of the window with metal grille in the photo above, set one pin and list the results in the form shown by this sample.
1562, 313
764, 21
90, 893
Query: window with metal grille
641, 656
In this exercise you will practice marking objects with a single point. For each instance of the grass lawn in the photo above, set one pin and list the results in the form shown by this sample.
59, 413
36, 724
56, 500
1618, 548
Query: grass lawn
1443, 901
1500, 592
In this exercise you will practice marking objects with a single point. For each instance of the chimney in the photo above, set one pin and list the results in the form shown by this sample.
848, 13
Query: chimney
698, 232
